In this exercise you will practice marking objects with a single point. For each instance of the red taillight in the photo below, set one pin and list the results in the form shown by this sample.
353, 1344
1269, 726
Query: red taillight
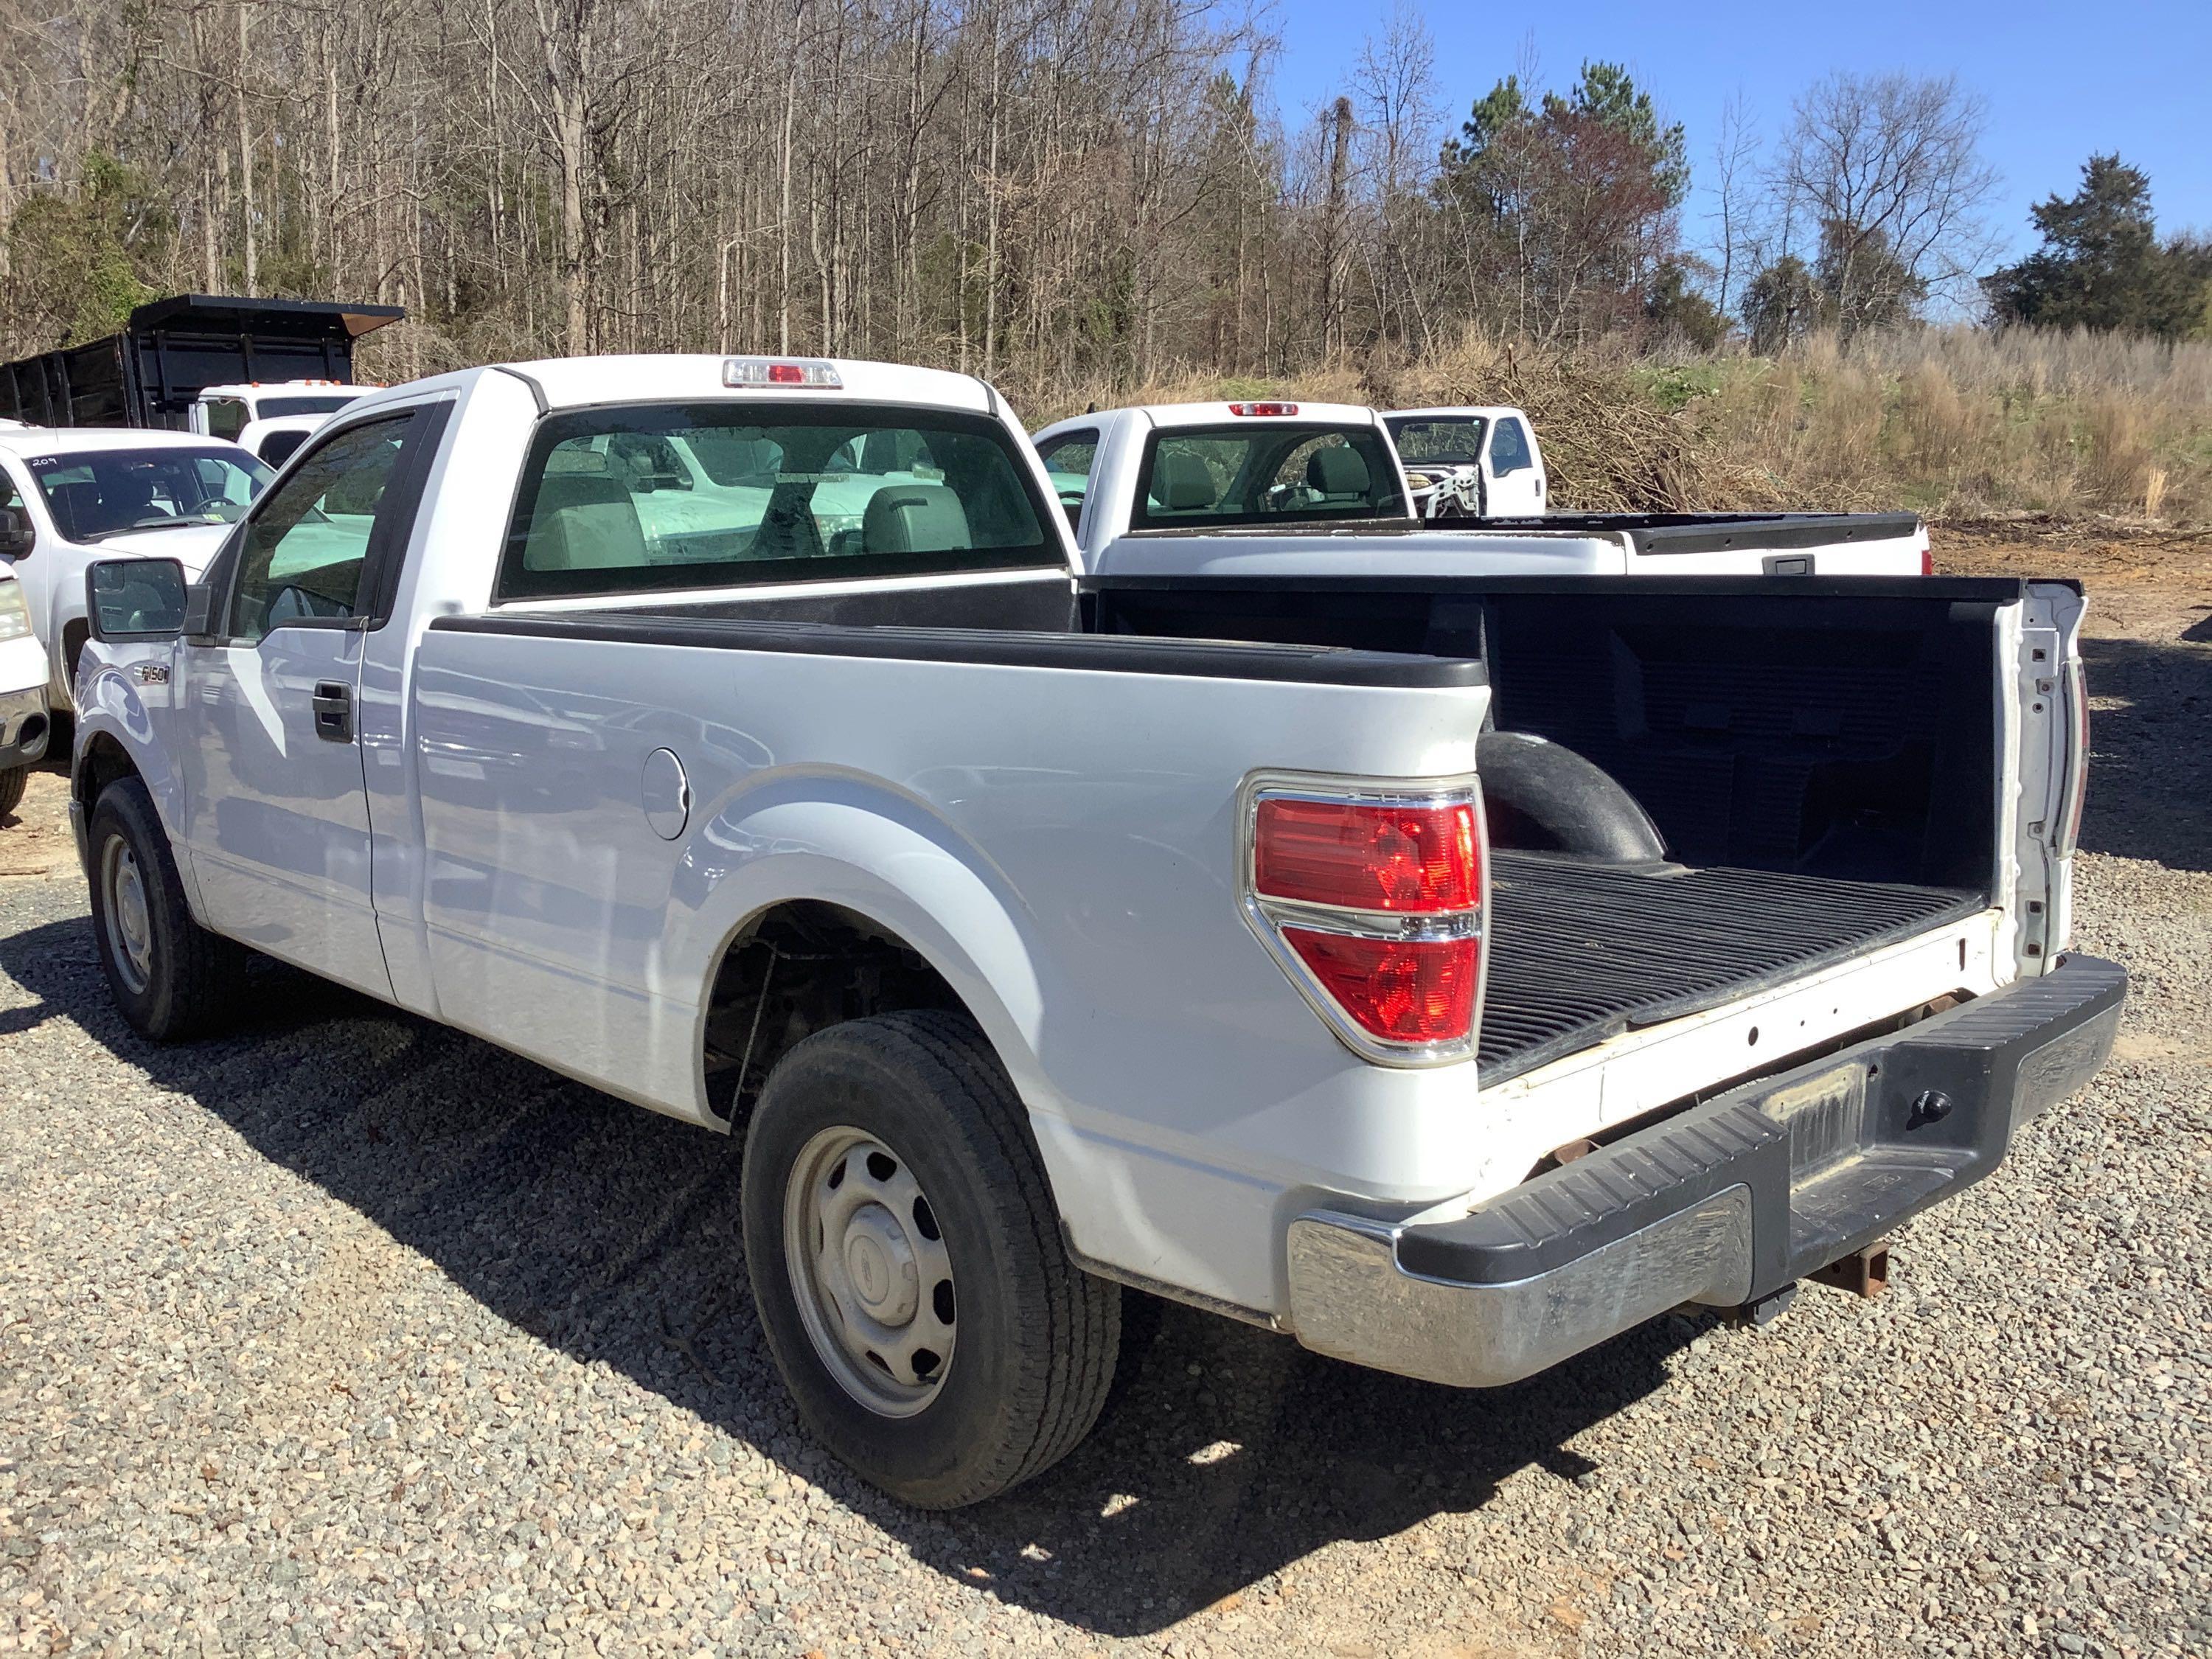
786, 375
1415, 860
1927, 561
1416, 991
1372, 900
1263, 408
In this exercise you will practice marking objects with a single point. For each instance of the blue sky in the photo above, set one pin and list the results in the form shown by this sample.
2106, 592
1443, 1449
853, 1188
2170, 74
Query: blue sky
2134, 76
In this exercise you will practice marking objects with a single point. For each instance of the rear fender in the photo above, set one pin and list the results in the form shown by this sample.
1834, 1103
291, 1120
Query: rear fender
887, 858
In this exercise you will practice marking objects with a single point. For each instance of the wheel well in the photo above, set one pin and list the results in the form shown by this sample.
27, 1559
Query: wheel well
795, 968
106, 762
75, 636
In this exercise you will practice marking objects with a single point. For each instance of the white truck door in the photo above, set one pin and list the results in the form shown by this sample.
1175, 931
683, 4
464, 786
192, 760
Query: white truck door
1514, 479
277, 808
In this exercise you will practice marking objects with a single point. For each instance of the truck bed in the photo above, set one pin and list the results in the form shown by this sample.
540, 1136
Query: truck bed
1579, 953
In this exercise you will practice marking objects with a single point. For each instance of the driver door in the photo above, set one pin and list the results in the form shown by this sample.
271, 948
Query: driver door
277, 808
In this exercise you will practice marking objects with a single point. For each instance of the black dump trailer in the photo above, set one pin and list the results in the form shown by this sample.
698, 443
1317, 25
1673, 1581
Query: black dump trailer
148, 374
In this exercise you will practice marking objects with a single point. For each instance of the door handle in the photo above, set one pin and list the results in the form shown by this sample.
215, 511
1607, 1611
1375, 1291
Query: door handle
333, 705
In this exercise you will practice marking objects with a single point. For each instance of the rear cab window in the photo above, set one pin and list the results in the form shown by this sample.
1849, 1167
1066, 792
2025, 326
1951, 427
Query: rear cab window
645, 497
1205, 478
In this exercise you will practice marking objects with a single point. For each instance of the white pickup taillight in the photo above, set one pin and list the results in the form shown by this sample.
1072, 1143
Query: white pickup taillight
1371, 897
1264, 410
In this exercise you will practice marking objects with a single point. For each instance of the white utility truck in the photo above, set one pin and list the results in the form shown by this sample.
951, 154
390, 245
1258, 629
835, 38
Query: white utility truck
1261, 487
1474, 461
23, 724
1451, 972
72, 494
226, 411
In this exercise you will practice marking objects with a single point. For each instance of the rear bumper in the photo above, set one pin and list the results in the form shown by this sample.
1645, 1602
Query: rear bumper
24, 727
1723, 1204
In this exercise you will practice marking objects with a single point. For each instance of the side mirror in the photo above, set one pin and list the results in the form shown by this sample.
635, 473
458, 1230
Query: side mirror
129, 599
17, 536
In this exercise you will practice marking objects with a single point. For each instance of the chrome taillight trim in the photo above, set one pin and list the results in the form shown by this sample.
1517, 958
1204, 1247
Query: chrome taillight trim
1267, 917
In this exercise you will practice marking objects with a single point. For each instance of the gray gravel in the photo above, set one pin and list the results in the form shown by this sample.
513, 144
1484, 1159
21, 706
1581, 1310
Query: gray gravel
351, 1333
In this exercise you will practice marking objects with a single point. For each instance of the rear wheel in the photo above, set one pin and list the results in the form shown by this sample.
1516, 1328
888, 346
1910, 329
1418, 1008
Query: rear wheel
170, 976
906, 1259
12, 782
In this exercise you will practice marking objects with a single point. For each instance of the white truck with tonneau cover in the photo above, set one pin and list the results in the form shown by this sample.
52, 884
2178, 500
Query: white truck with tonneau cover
1263, 488
1451, 972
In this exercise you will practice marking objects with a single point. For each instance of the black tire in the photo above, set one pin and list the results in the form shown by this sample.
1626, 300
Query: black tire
188, 980
1037, 1337
12, 782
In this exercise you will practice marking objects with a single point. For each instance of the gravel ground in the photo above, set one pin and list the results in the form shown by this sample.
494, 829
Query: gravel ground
352, 1333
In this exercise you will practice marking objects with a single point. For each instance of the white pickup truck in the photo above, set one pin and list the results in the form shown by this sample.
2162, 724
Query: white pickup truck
24, 728
1450, 973
1260, 487
1476, 461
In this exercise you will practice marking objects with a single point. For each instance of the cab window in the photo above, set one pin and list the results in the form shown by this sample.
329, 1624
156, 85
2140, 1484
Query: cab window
1067, 460
305, 547
624, 500
226, 417
1209, 476
1508, 448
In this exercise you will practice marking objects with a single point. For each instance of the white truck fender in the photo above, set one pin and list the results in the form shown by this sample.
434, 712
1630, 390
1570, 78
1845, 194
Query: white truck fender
885, 858
111, 709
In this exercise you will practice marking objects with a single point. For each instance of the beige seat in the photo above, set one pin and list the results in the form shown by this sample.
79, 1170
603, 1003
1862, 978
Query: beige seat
1181, 482
583, 521
915, 518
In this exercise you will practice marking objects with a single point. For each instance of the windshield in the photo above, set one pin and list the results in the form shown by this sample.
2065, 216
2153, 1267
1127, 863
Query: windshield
1450, 440
320, 403
617, 500
1209, 477
97, 495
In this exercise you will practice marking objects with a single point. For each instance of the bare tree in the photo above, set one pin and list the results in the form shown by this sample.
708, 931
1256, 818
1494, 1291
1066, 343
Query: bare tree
1889, 169
1735, 153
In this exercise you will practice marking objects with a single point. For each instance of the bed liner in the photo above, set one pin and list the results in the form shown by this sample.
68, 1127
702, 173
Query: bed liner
1577, 953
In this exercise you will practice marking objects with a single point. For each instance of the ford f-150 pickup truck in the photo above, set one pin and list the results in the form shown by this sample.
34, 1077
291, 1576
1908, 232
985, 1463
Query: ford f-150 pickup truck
1447, 972
1263, 488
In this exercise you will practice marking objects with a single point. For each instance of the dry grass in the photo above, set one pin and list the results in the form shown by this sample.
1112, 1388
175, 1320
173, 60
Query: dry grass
1956, 424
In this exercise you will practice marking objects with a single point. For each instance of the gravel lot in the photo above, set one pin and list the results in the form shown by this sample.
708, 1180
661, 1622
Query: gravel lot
350, 1333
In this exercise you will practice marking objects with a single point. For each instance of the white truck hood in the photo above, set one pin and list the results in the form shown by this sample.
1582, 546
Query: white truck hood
191, 545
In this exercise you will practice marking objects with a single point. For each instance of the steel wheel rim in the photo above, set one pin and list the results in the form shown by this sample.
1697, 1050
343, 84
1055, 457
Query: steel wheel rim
869, 1272
129, 918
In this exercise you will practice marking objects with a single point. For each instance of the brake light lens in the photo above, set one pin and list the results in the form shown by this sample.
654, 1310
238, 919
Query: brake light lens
1413, 859
1927, 561
815, 372
1411, 991
1263, 408
1372, 900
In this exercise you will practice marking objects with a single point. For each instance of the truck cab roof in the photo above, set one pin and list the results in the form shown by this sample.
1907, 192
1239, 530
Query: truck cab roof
584, 382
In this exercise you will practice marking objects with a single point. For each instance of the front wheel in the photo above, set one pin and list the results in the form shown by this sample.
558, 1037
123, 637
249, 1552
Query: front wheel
907, 1263
170, 976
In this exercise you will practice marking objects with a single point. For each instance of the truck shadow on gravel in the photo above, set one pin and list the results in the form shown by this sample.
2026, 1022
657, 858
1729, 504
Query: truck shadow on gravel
2150, 751
1225, 1455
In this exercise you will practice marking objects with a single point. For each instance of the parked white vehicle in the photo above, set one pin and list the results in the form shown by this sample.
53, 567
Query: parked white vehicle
1450, 972
76, 494
1477, 461
225, 411
23, 724
1263, 488
276, 438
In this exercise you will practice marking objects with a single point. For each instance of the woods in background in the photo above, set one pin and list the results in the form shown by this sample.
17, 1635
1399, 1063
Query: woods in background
1044, 191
